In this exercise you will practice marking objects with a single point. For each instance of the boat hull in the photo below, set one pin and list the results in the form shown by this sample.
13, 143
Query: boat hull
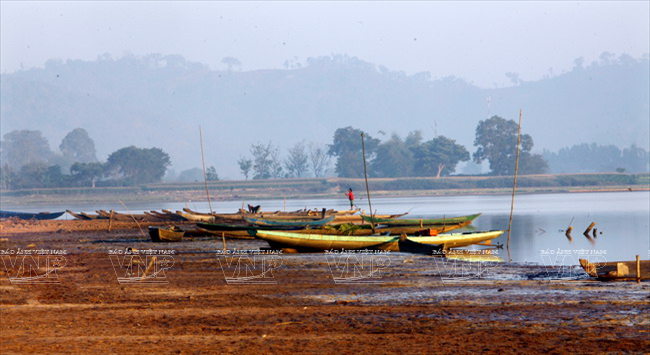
280, 240
421, 222
29, 215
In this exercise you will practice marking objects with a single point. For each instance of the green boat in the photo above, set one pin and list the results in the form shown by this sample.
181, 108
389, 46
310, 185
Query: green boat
287, 223
320, 242
394, 222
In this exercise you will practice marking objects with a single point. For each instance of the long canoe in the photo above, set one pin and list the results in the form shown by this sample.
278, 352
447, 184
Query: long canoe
616, 270
420, 222
30, 215
280, 223
79, 216
320, 242
365, 229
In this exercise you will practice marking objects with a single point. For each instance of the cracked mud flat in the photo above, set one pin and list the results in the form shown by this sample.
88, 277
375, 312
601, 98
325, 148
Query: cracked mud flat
388, 303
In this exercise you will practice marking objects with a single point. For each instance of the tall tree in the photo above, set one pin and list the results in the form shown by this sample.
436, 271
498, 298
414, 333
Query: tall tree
77, 146
496, 139
297, 161
393, 159
245, 166
438, 157
265, 164
139, 165
211, 174
25, 147
318, 158
347, 150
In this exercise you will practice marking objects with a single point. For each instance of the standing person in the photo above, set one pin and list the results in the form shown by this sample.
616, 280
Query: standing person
350, 196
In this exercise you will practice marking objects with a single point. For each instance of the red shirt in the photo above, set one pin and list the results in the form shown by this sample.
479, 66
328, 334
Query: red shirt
350, 195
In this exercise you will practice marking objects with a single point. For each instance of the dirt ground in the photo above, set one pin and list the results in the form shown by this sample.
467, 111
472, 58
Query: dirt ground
196, 299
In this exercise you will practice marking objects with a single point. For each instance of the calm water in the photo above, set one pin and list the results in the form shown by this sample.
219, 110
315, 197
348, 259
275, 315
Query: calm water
622, 219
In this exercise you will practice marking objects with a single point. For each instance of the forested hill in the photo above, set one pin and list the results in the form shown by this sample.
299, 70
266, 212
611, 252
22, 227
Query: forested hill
160, 101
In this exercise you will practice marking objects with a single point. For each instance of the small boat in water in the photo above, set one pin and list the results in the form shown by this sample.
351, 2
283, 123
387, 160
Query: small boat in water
162, 234
30, 215
617, 270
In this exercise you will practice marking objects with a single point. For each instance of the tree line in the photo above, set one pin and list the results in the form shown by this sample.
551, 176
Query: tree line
28, 162
496, 141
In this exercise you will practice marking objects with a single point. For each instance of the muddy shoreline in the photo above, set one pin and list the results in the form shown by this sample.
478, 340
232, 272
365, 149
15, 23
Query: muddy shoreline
306, 303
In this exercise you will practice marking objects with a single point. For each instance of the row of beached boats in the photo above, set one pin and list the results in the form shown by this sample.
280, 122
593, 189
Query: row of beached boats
321, 230
328, 230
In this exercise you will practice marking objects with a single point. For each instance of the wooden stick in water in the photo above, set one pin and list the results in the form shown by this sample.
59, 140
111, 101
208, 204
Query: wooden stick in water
638, 269
365, 175
205, 175
514, 184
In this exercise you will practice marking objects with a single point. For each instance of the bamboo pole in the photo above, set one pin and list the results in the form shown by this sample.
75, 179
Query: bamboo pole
514, 185
638, 269
205, 175
134, 220
110, 221
365, 175
223, 239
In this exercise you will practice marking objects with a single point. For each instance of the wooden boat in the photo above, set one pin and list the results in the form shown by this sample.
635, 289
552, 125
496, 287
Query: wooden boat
195, 217
233, 231
30, 215
365, 229
358, 219
91, 216
420, 222
617, 270
161, 234
79, 216
290, 223
320, 242
165, 215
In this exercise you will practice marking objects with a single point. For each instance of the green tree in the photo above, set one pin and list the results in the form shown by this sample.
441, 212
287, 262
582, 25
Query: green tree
496, 139
40, 175
77, 146
265, 161
139, 165
87, 173
393, 159
532, 164
25, 147
211, 174
297, 161
438, 157
348, 152
245, 166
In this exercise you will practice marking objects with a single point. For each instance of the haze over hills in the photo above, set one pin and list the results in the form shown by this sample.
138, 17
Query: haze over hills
160, 101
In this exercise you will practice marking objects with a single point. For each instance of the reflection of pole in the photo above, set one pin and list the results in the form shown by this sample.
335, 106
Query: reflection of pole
365, 175
514, 184
205, 175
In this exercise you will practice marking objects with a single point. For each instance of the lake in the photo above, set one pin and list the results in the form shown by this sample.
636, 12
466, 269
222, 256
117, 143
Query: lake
538, 228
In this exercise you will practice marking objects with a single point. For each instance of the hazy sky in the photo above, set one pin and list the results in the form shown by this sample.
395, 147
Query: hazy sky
478, 41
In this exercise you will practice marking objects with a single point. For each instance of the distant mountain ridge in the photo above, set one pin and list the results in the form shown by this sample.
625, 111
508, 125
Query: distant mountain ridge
160, 101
